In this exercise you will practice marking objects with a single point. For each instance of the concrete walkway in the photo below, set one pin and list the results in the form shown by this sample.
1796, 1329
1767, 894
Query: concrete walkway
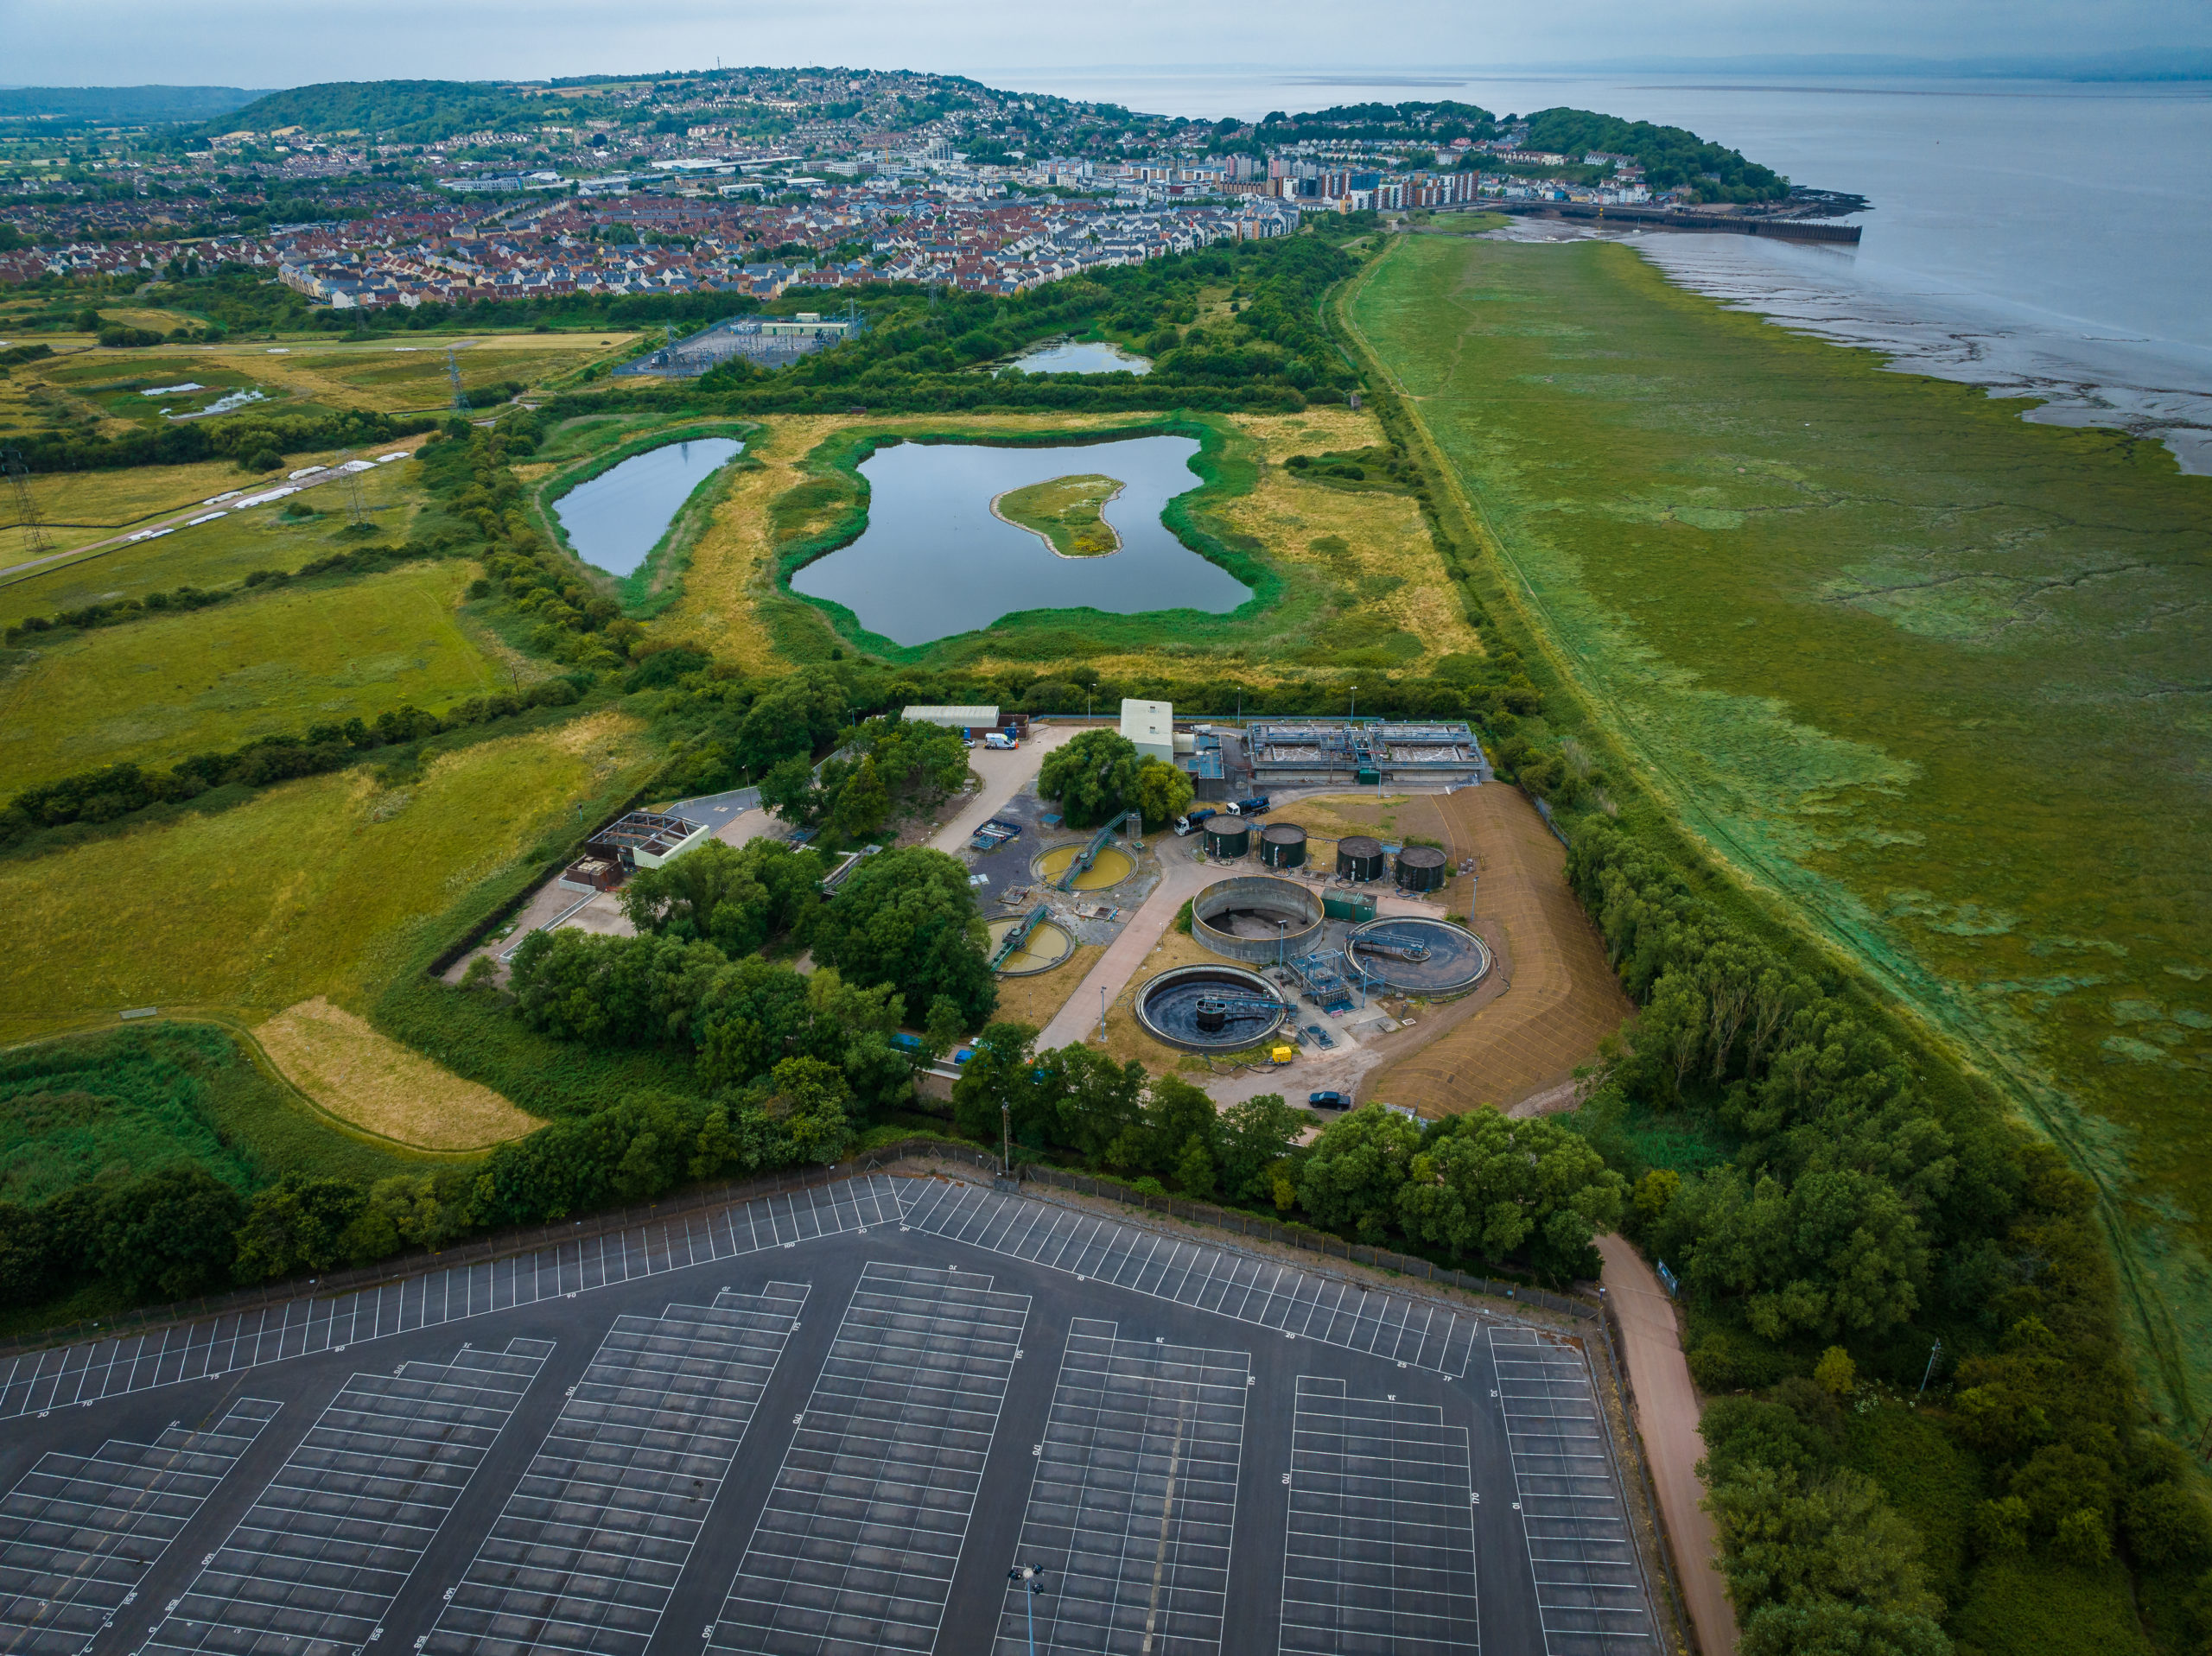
1667, 1416
1181, 879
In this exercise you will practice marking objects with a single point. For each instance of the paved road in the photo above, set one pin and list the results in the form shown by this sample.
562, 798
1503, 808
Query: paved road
1666, 1415
1004, 776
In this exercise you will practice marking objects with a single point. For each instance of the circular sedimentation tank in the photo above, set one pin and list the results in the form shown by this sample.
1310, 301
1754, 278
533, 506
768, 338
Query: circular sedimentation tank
1422, 868
1048, 945
1415, 956
1231, 838
1257, 919
1359, 857
1282, 845
1209, 1008
1113, 866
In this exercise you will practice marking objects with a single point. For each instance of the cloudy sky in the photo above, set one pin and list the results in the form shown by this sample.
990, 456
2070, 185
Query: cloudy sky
263, 43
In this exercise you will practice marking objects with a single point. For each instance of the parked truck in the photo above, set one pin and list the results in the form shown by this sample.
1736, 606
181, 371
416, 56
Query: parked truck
1004, 740
1189, 824
1252, 807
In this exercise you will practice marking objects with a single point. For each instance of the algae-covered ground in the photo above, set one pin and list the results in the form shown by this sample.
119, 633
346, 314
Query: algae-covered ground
1936, 676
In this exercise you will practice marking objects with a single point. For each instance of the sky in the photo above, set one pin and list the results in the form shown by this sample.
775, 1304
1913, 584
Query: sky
267, 43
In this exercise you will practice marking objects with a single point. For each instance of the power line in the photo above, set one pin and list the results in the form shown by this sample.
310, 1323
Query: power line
19, 487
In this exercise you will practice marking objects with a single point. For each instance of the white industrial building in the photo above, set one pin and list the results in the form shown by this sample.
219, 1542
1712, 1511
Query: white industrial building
1151, 726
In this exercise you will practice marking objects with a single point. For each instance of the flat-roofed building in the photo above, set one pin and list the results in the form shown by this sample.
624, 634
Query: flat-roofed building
954, 718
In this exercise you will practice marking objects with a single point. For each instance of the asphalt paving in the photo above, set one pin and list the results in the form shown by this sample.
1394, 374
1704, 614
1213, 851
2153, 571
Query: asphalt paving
824, 1423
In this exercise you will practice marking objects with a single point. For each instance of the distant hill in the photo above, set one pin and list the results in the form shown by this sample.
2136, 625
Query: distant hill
121, 105
411, 111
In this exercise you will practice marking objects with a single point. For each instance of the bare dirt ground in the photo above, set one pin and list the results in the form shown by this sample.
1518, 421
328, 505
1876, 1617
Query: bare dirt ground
359, 1076
1666, 1417
1552, 996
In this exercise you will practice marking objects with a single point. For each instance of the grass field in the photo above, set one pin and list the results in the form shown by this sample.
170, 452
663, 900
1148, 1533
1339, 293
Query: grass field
1930, 675
397, 376
323, 887
1360, 586
220, 554
81, 508
273, 662
372, 1082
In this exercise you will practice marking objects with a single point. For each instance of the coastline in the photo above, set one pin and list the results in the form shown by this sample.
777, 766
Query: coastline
2156, 390
1071, 557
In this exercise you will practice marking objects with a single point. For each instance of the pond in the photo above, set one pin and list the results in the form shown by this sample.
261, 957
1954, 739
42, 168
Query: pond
619, 517
934, 560
1082, 357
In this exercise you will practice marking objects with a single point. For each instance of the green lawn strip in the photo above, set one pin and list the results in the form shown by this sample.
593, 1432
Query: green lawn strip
831, 511
273, 662
1908, 671
657, 581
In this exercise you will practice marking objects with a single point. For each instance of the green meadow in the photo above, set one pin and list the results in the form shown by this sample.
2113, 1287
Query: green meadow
1930, 677
273, 662
220, 553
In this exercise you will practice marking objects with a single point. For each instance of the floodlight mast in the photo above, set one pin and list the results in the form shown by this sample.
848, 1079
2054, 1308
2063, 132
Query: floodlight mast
1032, 1582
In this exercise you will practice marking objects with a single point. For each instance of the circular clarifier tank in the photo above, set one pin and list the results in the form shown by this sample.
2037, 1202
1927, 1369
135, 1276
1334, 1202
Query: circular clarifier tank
1048, 945
1113, 866
1415, 956
1257, 919
1210, 1008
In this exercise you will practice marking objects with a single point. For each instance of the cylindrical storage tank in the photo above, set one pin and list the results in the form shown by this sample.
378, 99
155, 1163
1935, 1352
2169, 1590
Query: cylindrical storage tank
1359, 858
1282, 845
1422, 868
1228, 836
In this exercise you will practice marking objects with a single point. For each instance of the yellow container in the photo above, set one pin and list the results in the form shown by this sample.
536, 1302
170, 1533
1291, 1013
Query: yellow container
1282, 1055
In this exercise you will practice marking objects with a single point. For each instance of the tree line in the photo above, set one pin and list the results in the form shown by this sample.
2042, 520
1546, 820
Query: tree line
116, 790
1864, 1207
249, 440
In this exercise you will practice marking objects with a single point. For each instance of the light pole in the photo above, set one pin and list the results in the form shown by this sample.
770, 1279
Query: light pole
1032, 1582
1088, 696
1005, 1127
1354, 719
1934, 1352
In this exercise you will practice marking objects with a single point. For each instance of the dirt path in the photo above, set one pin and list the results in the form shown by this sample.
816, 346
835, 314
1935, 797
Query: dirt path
1553, 996
1667, 1416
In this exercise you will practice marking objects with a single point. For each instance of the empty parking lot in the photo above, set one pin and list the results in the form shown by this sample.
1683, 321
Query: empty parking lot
822, 1424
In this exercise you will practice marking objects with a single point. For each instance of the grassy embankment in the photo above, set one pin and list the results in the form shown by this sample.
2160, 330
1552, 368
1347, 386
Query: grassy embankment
1350, 582
1922, 674
1064, 513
